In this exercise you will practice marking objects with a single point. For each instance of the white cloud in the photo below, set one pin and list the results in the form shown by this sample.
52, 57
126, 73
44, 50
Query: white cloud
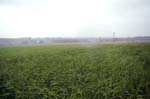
70, 18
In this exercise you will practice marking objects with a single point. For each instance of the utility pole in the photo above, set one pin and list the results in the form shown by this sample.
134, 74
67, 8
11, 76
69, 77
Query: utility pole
114, 36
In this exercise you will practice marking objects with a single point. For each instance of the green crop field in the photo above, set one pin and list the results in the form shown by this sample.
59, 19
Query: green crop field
106, 71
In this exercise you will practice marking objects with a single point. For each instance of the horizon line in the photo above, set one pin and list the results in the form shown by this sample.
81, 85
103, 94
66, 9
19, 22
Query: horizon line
73, 37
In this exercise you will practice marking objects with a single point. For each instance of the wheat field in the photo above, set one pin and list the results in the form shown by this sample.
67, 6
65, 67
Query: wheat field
101, 71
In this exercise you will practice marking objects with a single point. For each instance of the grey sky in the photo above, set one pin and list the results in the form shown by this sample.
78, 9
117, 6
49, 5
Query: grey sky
74, 18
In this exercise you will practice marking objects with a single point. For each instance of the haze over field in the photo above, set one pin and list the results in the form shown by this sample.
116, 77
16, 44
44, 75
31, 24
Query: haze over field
74, 49
74, 18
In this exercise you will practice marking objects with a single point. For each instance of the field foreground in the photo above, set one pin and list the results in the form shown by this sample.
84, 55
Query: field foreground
108, 71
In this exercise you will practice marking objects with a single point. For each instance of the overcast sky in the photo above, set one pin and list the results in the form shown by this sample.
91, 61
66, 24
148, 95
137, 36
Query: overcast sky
74, 18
